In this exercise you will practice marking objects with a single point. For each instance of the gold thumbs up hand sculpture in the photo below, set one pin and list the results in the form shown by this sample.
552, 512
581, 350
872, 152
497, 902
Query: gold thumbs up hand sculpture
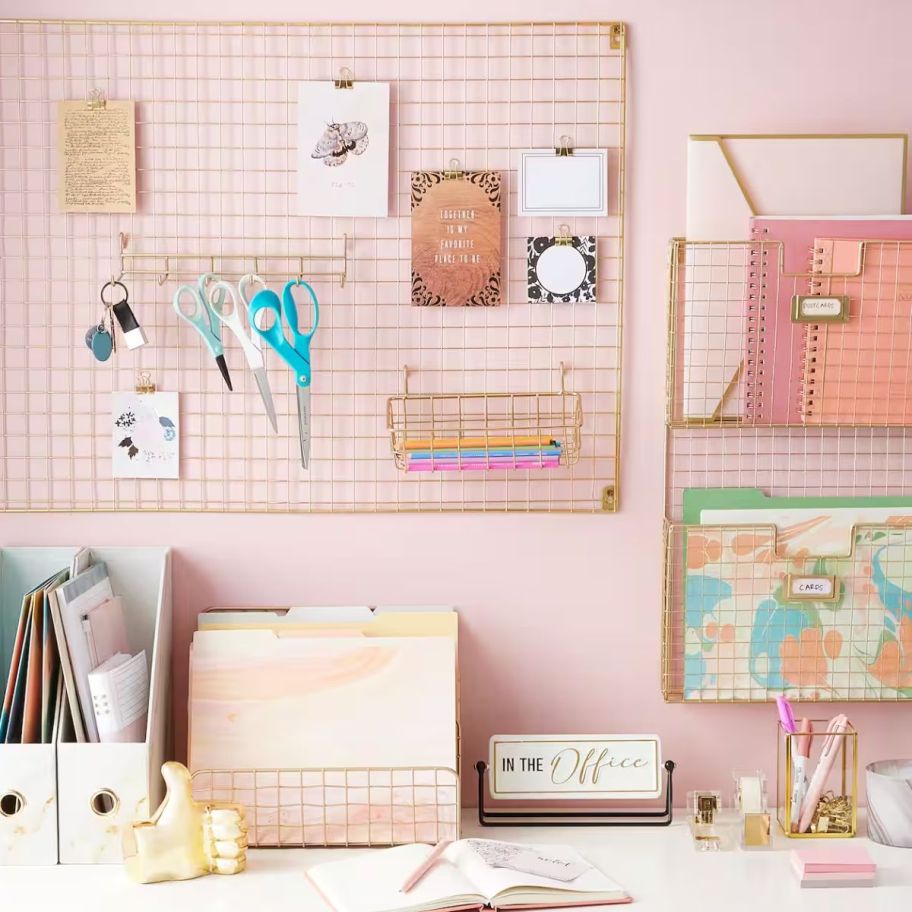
186, 838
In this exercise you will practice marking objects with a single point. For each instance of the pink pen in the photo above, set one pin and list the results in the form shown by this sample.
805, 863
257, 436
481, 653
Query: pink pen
786, 716
426, 865
828, 755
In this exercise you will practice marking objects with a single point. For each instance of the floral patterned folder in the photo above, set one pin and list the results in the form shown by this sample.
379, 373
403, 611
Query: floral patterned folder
745, 639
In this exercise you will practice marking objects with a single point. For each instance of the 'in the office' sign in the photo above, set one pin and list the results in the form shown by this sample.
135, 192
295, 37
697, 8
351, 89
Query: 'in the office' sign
575, 766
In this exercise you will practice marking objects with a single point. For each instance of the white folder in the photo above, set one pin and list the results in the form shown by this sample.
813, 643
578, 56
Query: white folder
733, 177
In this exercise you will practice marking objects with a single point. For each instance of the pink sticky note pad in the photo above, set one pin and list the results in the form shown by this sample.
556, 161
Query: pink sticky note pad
835, 859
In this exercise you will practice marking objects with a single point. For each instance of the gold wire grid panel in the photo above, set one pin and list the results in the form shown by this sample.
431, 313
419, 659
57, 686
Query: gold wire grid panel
339, 807
466, 427
736, 629
752, 344
217, 183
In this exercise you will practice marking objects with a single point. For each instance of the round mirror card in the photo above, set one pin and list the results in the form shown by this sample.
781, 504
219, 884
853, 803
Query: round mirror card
562, 269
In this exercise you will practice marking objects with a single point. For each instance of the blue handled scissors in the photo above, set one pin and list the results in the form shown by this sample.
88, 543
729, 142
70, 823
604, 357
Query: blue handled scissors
295, 353
202, 318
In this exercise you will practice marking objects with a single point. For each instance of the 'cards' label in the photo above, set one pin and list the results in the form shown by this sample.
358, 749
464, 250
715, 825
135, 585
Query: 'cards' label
821, 588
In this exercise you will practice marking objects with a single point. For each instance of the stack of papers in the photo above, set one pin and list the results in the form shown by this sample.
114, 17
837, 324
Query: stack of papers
843, 866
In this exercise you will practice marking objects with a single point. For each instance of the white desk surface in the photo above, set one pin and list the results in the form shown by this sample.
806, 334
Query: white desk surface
658, 866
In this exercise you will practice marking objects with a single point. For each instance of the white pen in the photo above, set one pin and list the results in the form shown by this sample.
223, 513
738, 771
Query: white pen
801, 752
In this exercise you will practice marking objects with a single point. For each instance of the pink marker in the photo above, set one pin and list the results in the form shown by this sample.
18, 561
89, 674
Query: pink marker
786, 716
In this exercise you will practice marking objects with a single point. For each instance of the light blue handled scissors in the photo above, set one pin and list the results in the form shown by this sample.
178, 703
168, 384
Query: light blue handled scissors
295, 353
203, 320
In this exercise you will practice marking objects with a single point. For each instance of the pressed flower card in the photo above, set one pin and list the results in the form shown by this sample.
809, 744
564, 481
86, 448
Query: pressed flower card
145, 435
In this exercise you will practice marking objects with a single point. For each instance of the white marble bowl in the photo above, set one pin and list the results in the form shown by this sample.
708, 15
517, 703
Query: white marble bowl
889, 785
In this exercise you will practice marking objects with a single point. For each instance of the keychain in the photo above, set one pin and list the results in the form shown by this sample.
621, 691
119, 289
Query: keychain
99, 339
133, 332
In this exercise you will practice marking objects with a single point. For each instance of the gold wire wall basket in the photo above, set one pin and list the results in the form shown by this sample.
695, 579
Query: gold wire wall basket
745, 419
468, 428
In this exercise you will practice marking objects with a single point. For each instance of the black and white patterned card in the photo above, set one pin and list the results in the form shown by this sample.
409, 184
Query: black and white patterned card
562, 269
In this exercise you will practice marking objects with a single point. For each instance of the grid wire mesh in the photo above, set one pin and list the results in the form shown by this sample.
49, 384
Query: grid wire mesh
216, 158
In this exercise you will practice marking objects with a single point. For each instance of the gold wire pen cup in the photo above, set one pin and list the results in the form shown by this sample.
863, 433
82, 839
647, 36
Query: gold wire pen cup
836, 814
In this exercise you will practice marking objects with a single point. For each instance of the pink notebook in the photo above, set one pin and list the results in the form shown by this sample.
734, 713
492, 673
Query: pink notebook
860, 371
775, 346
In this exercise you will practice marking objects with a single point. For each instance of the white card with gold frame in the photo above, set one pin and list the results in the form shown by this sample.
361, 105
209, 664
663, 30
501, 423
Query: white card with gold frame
552, 184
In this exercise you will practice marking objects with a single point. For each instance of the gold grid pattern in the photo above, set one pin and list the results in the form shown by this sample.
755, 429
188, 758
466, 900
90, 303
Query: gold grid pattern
339, 807
216, 137
731, 631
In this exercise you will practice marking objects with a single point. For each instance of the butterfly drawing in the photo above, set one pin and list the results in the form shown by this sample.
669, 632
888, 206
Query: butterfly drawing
338, 140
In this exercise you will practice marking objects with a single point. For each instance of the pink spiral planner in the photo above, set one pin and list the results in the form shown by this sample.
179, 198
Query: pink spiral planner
775, 347
860, 371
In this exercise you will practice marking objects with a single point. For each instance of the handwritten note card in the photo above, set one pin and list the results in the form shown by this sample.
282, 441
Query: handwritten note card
96, 147
456, 238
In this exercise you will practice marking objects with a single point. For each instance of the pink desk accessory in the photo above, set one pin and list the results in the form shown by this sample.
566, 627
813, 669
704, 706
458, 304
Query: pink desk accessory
834, 859
775, 346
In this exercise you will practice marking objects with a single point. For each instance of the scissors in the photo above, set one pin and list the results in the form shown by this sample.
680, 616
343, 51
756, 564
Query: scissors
203, 319
223, 302
245, 281
296, 353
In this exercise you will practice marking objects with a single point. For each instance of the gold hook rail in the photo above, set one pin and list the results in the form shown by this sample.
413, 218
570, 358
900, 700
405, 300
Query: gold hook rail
178, 266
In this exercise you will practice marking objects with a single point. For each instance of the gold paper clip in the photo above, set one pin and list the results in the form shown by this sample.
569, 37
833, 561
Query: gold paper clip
96, 100
454, 171
563, 238
144, 383
565, 148
346, 79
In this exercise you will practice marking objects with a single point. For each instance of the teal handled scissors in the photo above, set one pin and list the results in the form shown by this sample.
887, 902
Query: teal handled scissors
203, 319
223, 302
295, 353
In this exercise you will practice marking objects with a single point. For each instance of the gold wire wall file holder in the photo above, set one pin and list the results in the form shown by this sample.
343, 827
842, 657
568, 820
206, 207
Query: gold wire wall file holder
735, 627
739, 627
217, 186
463, 425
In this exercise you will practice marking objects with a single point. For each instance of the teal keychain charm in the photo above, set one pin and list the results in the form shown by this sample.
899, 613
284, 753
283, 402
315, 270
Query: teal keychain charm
100, 342
99, 339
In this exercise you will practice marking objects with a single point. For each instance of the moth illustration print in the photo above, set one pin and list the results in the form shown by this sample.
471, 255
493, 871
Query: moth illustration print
340, 139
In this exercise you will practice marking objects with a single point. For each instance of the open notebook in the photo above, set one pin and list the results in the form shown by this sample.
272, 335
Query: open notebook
459, 880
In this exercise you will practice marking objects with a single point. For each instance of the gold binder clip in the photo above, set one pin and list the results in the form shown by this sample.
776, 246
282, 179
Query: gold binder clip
454, 171
96, 100
144, 383
565, 148
563, 238
346, 79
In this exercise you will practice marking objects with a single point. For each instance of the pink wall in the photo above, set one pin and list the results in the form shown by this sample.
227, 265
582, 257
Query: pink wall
560, 613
